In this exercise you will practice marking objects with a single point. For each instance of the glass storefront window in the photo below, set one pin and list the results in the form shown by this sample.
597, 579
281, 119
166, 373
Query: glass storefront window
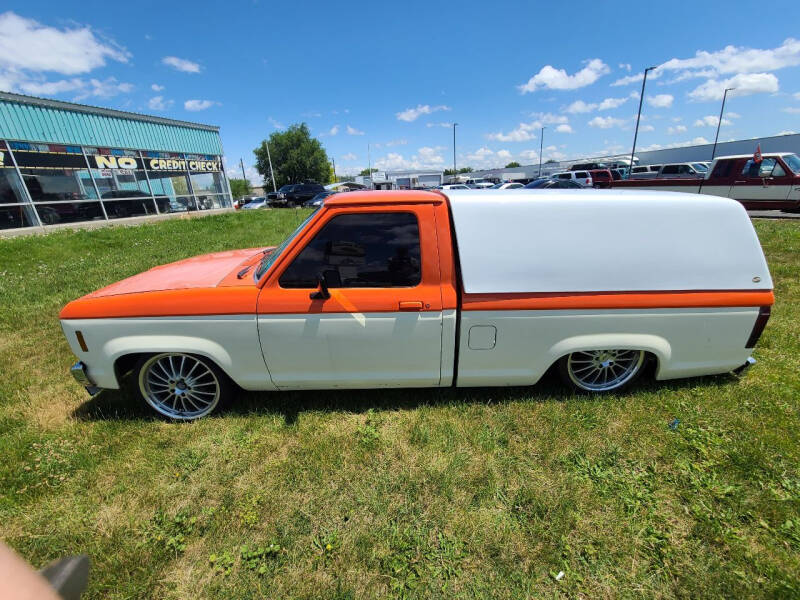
169, 183
11, 190
137, 207
121, 183
207, 183
68, 212
17, 215
58, 184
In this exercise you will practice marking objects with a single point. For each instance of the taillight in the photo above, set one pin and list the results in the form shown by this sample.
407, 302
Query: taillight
758, 328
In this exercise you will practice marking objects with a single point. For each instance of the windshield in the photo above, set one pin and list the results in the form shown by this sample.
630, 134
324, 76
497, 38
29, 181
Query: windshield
286, 188
793, 162
269, 259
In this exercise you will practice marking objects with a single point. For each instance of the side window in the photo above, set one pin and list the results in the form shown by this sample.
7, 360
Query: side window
765, 169
369, 250
778, 171
670, 170
723, 168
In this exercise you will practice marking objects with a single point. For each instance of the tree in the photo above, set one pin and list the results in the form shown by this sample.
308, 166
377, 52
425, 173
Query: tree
550, 161
367, 172
239, 187
512, 165
461, 170
465, 170
296, 157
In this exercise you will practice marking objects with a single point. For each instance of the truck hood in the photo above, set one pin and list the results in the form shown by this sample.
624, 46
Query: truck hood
205, 271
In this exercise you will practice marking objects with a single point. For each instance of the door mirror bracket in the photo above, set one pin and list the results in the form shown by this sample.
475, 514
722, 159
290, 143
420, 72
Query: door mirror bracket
322, 292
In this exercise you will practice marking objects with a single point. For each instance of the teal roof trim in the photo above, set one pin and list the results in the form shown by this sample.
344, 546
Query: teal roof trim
47, 121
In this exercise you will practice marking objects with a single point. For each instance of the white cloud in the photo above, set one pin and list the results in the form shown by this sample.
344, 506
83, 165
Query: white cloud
349, 156
733, 59
606, 122
105, 88
796, 95
646, 128
332, 131
676, 129
710, 121
786, 132
400, 142
792, 110
522, 133
412, 114
660, 100
181, 64
564, 128
353, 131
744, 84
549, 118
625, 67
628, 79
425, 158
698, 141
558, 79
195, 105
504, 154
157, 88
442, 124
26, 45
579, 106
276, 124
158, 103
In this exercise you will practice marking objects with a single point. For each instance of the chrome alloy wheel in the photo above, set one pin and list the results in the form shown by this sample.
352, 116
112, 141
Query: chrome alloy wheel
179, 386
603, 370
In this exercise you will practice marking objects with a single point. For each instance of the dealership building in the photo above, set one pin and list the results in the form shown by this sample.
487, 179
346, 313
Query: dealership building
66, 163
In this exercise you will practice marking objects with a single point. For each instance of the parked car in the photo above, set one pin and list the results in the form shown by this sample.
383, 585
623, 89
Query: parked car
454, 186
319, 198
645, 171
553, 184
374, 290
771, 183
478, 184
256, 204
682, 170
294, 194
582, 177
507, 186
602, 178
242, 202
588, 166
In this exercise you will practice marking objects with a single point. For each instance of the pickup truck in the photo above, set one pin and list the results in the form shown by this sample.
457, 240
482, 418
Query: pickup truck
428, 289
773, 183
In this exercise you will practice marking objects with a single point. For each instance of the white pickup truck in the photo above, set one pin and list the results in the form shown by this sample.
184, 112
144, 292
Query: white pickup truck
422, 289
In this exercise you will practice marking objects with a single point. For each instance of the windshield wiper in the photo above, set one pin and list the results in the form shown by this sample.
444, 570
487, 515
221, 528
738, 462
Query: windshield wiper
243, 272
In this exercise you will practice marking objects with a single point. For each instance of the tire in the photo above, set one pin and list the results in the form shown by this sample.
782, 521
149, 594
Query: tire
170, 385
601, 371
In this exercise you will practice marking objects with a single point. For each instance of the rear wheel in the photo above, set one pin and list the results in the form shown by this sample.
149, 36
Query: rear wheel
600, 371
182, 386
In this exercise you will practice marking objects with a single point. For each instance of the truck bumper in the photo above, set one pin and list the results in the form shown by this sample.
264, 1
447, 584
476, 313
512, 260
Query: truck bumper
748, 363
78, 371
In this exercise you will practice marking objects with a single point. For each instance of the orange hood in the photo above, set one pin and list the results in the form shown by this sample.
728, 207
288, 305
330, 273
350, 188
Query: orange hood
204, 271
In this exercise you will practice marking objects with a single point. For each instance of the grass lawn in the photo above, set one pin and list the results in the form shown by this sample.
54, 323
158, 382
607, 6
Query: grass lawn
431, 493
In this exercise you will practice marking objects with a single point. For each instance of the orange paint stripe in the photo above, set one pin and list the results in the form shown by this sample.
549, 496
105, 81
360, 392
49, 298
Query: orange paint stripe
167, 303
600, 300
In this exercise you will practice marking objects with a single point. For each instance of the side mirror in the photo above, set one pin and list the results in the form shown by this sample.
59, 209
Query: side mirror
322, 292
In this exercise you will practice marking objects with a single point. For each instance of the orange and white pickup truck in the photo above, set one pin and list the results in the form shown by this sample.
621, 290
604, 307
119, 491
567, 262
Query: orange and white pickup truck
772, 183
423, 289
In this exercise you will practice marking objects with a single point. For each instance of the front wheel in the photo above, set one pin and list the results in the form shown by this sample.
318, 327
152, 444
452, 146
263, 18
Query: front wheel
181, 386
601, 371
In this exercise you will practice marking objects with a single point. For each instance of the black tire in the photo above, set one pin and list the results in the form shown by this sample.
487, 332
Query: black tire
169, 384
616, 370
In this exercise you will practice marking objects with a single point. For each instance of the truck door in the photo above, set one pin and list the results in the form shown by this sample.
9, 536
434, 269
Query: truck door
378, 324
761, 185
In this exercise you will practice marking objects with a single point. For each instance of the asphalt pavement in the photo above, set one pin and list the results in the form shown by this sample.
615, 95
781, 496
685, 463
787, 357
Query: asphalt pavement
772, 214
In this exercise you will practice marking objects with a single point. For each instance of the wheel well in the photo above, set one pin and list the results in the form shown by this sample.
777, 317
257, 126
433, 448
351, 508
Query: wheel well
125, 364
650, 362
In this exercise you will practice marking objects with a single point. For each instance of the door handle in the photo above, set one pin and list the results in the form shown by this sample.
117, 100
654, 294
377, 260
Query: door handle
739, 182
410, 305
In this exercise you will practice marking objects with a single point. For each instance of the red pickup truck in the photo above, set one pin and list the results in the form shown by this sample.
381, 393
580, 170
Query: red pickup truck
772, 183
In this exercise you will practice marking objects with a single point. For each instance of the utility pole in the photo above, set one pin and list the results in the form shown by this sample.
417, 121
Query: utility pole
455, 172
241, 164
541, 146
719, 122
333, 160
369, 168
638, 116
271, 172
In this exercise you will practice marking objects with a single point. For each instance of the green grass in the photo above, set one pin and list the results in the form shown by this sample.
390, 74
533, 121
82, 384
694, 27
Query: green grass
435, 493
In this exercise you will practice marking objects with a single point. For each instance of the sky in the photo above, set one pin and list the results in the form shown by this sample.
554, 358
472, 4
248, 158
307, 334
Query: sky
395, 77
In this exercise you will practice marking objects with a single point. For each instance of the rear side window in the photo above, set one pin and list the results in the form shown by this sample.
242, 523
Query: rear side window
565, 176
670, 170
723, 168
581, 175
370, 250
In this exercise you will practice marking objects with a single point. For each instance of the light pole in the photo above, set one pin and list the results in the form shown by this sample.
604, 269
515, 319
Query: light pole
541, 145
719, 121
455, 173
638, 116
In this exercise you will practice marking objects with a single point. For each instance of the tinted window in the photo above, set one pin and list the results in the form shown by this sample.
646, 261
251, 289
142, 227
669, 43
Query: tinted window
670, 170
564, 176
358, 251
581, 175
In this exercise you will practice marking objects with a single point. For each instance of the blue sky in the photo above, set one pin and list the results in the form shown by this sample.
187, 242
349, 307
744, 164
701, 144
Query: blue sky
395, 76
